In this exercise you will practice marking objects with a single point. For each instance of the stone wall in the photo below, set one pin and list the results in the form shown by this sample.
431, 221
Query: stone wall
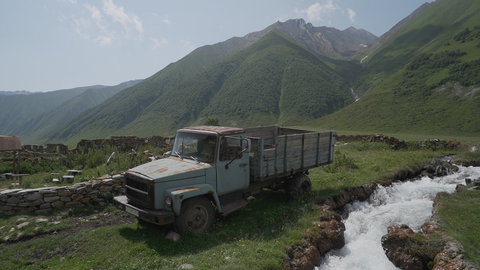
125, 143
48, 148
38, 200
396, 144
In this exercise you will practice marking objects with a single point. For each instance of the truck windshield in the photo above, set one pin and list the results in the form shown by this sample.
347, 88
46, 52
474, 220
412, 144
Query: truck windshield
199, 147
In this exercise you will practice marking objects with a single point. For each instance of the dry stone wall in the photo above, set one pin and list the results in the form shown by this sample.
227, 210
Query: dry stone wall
125, 143
38, 200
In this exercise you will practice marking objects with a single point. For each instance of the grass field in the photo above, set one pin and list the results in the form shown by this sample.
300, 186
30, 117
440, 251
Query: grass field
255, 237
460, 218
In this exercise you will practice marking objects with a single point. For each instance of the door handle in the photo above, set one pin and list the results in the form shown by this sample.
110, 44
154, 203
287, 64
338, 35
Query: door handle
243, 165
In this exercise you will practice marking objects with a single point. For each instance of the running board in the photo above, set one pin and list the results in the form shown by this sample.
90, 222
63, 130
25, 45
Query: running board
233, 206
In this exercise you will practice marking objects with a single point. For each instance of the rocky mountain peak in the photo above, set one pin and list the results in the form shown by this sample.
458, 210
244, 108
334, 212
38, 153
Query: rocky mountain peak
323, 40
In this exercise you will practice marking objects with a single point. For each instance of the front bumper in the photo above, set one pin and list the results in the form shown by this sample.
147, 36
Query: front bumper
159, 217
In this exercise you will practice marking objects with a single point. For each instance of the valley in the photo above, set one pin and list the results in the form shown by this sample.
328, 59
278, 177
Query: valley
418, 85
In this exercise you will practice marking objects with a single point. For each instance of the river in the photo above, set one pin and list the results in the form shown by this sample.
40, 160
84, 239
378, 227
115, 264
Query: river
407, 203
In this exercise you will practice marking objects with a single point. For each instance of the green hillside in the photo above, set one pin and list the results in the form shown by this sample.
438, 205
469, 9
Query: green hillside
15, 110
424, 78
38, 128
274, 80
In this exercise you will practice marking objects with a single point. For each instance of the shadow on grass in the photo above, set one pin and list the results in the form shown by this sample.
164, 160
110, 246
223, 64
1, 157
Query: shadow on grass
266, 218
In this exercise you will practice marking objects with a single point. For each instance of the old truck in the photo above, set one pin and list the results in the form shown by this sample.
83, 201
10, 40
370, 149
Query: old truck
212, 171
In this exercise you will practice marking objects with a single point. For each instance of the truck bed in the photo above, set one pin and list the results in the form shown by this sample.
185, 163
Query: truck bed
277, 152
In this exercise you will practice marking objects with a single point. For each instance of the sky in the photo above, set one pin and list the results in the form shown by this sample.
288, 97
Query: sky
59, 44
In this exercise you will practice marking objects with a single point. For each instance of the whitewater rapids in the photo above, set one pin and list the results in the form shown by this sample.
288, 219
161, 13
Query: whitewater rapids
407, 203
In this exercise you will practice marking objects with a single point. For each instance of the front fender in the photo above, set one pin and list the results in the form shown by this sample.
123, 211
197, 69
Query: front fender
179, 194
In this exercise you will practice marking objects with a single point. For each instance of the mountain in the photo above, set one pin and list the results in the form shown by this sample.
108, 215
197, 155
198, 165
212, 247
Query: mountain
18, 109
32, 115
327, 41
422, 77
38, 129
9, 93
274, 80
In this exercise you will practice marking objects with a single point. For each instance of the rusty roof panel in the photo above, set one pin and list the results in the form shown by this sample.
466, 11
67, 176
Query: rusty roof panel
10, 143
216, 129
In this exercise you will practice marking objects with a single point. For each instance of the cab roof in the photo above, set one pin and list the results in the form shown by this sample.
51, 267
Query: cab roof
215, 129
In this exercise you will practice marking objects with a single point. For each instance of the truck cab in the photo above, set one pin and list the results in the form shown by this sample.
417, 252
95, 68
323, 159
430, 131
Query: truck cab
206, 173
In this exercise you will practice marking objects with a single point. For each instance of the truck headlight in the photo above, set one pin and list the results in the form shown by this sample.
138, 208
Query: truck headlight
168, 201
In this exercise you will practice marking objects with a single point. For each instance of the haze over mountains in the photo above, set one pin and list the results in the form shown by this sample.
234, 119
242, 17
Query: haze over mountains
34, 115
421, 76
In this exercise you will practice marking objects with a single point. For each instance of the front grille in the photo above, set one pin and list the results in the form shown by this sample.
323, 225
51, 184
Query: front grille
139, 191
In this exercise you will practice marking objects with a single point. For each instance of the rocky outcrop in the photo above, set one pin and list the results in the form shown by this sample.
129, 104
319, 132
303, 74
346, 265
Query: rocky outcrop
451, 258
472, 162
435, 169
348, 195
38, 200
324, 235
429, 249
394, 143
408, 250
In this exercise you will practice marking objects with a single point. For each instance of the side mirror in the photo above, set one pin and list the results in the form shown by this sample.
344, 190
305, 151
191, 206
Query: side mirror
167, 154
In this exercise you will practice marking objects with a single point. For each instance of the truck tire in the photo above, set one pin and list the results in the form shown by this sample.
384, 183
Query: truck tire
196, 216
298, 186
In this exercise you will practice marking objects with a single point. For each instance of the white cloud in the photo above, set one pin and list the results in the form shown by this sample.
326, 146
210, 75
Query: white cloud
166, 20
82, 27
351, 14
107, 23
317, 11
104, 40
326, 12
96, 15
159, 42
118, 14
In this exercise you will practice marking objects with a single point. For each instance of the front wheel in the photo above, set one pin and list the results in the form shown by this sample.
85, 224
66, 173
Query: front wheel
196, 216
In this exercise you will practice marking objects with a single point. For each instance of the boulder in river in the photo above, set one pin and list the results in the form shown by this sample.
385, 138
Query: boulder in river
408, 250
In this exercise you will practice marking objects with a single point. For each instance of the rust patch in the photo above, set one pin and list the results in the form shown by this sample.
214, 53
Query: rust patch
187, 189
162, 170
187, 170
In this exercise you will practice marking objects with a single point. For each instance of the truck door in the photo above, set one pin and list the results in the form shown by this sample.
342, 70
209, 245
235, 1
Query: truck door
233, 169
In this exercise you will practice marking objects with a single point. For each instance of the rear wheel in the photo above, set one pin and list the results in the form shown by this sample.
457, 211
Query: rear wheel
299, 186
196, 216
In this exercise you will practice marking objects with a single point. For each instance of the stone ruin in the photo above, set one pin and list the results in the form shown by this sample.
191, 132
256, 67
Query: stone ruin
48, 148
125, 143
40, 200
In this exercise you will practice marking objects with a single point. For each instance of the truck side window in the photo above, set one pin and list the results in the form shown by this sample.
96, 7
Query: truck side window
230, 148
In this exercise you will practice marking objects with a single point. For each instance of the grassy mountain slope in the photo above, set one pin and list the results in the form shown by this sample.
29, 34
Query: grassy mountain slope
18, 109
38, 129
424, 78
278, 82
273, 80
